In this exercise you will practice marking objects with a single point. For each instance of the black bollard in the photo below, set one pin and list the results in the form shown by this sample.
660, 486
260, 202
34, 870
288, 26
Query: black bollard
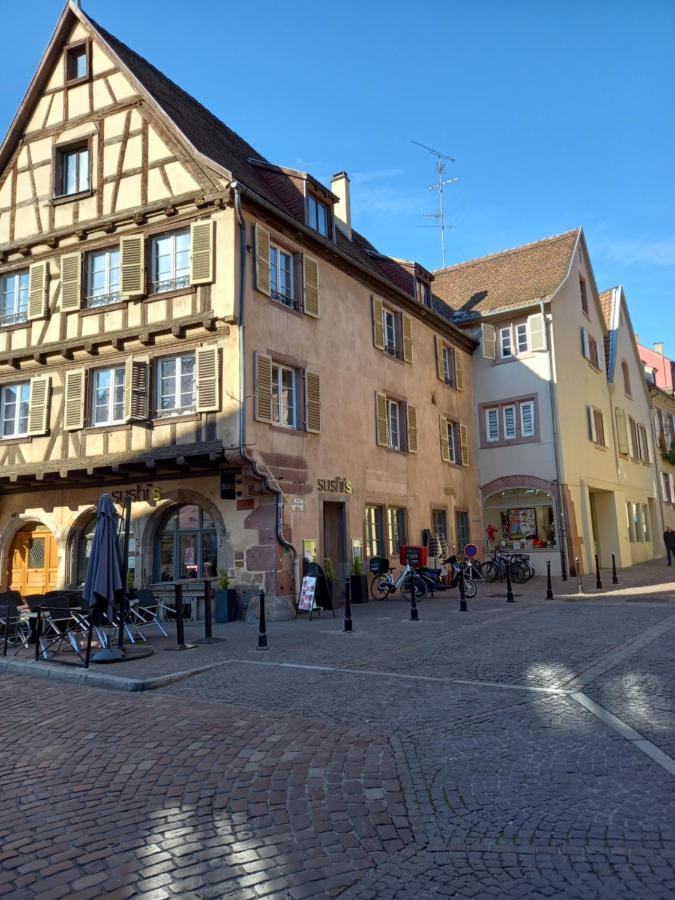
598, 580
509, 588
348, 604
38, 631
4, 647
580, 584
180, 626
262, 625
208, 624
462, 596
90, 632
563, 563
549, 586
615, 579
414, 613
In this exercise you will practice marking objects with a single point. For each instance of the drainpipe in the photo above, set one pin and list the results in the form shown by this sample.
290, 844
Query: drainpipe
243, 452
562, 529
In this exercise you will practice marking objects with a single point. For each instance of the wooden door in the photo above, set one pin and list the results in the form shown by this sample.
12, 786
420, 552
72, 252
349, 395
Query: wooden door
34, 561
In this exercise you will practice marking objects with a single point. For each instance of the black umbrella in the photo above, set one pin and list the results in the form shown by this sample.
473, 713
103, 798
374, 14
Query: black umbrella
104, 584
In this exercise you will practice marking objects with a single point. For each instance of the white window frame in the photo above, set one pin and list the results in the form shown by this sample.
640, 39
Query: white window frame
313, 218
452, 448
287, 299
396, 529
494, 412
23, 397
508, 436
389, 331
19, 297
117, 378
449, 370
175, 281
177, 376
80, 155
280, 407
506, 345
393, 419
533, 429
111, 294
520, 332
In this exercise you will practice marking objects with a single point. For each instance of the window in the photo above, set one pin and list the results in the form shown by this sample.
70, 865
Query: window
393, 425
423, 292
521, 338
439, 522
170, 262
505, 343
462, 529
186, 545
514, 340
176, 385
630, 523
281, 277
14, 298
593, 355
449, 370
283, 396
14, 408
395, 529
108, 396
317, 215
626, 379
103, 277
453, 427
512, 421
584, 296
72, 170
374, 521
84, 545
667, 487
77, 62
643, 443
645, 523
596, 426
389, 329
634, 439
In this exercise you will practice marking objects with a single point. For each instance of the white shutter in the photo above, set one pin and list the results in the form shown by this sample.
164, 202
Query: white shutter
527, 424
38, 290
71, 281
207, 379
488, 340
201, 252
73, 402
38, 414
492, 424
509, 413
536, 332
132, 266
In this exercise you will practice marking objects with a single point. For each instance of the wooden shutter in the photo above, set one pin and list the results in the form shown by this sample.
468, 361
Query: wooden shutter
38, 290
312, 402
38, 416
132, 266
207, 381
464, 444
310, 280
536, 331
71, 281
459, 370
621, 431
445, 443
411, 413
201, 251
440, 361
378, 330
407, 337
73, 400
135, 390
591, 424
381, 416
262, 264
263, 387
488, 340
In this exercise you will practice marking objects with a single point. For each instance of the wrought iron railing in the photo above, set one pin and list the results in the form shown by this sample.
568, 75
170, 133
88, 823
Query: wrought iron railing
94, 300
169, 284
285, 299
176, 411
14, 318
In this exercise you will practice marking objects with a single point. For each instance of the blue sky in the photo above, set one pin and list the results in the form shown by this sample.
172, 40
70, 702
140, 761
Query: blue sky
558, 114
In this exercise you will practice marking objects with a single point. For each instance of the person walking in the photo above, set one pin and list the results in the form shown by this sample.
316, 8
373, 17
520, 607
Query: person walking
669, 541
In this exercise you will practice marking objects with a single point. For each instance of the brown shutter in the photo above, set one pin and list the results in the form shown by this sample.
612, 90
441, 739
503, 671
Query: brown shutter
312, 402
135, 390
132, 266
440, 362
381, 414
310, 273
407, 338
201, 252
621, 431
262, 263
38, 290
71, 281
207, 382
445, 444
38, 416
73, 400
263, 387
411, 412
489, 341
378, 330
459, 370
464, 444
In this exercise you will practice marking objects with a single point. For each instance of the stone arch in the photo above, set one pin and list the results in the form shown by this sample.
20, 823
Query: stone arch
14, 524
72, 540
516, 481
152, 522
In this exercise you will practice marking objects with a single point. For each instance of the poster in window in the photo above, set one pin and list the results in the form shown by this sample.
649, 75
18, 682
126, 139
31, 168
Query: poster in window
520, 524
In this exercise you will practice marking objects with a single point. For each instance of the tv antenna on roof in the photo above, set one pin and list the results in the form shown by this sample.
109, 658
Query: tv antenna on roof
442, 160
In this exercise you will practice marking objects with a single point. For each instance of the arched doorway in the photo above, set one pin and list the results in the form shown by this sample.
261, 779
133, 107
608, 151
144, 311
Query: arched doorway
186, 544
33, 563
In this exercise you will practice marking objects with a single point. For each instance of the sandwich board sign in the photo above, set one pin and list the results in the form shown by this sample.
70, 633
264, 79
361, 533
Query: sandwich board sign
307, 591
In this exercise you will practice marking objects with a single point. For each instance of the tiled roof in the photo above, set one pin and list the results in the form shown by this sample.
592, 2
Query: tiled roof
508, 279
606, 304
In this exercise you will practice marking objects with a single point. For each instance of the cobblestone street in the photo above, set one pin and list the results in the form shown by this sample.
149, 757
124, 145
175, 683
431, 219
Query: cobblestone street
518, 750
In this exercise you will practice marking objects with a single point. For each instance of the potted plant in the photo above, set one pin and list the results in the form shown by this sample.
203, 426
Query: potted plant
329, 574
358, 582
225, 599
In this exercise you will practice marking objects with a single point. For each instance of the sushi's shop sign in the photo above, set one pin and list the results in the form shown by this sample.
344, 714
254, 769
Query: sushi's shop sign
334, 485
140, 493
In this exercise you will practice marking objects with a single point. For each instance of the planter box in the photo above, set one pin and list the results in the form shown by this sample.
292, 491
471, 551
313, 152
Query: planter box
225, 605
359, 588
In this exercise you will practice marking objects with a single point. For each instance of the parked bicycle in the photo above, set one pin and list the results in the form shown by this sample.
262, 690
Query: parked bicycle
384, 584
521, 568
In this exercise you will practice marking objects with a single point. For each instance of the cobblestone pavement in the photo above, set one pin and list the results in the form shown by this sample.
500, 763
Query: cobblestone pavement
451, 757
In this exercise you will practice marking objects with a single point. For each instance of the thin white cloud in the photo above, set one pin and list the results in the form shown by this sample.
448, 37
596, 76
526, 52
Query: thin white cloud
631, 251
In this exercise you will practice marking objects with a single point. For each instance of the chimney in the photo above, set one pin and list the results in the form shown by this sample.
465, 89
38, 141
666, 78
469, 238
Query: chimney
342, 209
658, 347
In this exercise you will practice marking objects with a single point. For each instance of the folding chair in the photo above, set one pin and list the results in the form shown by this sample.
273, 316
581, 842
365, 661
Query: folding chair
145, 612
60, 625
15, 627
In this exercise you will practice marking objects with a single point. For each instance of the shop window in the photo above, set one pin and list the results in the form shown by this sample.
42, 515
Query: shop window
462, 529
170, 262
396, 529
520, 518
186, 545
374, 528
83, 550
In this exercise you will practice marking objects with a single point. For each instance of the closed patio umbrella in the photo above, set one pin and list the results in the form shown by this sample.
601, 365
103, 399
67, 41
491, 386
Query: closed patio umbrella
104, 584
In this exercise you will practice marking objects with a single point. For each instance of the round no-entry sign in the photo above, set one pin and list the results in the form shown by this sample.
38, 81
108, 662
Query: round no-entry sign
470, 550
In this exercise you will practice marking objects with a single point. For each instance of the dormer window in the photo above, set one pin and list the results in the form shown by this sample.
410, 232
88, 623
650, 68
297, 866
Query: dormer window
423, 292
317, 215
77, 63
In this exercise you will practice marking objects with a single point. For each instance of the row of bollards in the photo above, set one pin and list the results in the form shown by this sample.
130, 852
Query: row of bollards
598, 578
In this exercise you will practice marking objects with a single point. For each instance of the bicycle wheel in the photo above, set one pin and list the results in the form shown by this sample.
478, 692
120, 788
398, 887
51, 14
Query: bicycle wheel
518, 573
421, 588
470, 588
490, 571
380, 587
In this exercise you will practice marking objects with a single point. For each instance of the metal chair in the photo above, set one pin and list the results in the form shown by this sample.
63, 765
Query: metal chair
145, 612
